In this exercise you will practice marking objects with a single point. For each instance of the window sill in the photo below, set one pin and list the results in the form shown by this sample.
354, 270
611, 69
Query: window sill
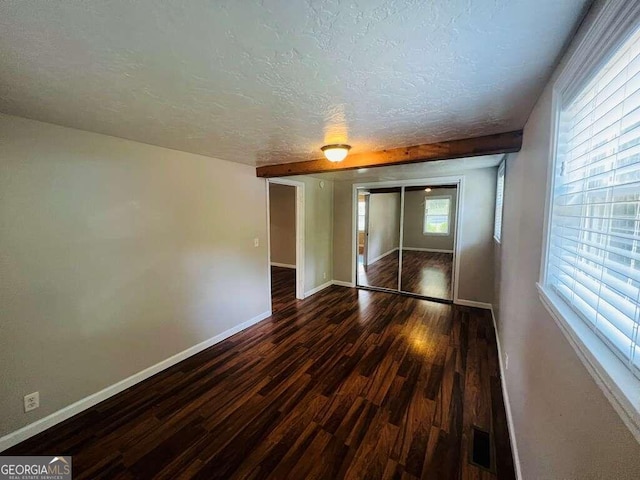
435, 234
619, 385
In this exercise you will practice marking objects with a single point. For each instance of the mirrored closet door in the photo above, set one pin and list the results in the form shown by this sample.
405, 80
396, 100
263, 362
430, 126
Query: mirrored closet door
428, 240
378, 237
406, 239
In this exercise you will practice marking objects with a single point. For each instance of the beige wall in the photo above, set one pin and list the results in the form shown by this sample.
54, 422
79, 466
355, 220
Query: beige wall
116, 255
475, 231
564, 426
318, 244
413, 234
476, 235
282, 218
342, 231
384, 224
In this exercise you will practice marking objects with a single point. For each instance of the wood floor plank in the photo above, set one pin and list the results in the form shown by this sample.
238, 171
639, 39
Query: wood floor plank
427, 273
345, 384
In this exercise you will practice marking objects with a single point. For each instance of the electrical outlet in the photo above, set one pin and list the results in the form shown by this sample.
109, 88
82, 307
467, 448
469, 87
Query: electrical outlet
324, 275
31, 401
506, 361
256, 242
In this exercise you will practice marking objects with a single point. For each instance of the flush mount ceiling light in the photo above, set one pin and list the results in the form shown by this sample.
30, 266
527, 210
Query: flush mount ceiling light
336, 152
427, 189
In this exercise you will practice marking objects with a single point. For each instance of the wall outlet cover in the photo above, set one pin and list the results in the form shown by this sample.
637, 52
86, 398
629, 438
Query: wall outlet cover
31, 401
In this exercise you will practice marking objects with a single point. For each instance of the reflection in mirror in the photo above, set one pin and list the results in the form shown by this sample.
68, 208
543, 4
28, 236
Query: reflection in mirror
378, 237
428, 238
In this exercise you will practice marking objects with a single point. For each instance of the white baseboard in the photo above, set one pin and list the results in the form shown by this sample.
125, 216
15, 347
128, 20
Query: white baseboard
69, 411
473, 303
318, 288
432, 250
283, 265
507, 403
340, 283
374, 260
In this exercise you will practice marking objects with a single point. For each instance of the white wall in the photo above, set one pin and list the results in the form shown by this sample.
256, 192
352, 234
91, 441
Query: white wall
475, 230
413, 234
564, 426
115, 255
384, 225
282, 223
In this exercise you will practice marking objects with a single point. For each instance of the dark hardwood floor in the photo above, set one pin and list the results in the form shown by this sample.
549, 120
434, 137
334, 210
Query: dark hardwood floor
345, 384
423, 273
382, 273
427, 273
283, 288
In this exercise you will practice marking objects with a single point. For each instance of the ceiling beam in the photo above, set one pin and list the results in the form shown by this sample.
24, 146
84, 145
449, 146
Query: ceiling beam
467, 147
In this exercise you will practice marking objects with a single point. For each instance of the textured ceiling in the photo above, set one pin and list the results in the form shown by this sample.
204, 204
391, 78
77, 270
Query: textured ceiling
411, 171
268, 81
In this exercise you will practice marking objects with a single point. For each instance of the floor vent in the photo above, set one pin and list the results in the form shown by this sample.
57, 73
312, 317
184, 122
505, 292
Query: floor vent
481, 448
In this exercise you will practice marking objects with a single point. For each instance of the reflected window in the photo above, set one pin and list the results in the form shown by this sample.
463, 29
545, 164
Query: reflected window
361, 214
437, 215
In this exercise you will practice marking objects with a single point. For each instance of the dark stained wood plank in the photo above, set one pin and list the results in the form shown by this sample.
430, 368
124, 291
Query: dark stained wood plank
428, 274
345, 384
382, 273
507, 142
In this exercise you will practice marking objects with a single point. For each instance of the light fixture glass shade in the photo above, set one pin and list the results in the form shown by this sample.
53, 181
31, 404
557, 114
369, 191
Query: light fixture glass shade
336, 153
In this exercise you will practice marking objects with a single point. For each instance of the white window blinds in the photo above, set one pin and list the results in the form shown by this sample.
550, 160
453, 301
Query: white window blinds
594, 251
436, 215
497, 226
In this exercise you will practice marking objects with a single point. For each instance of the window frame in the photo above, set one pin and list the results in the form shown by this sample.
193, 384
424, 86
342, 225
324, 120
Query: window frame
502, 172
425, 215
605, 30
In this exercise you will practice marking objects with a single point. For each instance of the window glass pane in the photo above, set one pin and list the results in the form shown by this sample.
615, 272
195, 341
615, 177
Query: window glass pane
594, 247
438, 206
437, 224
361, 215
436, 215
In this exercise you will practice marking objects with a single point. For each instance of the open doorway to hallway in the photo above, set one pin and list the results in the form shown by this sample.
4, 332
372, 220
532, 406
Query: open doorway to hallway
286, 206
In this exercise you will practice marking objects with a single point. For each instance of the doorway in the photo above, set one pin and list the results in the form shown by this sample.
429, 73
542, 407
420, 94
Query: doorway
285, 200
407, 237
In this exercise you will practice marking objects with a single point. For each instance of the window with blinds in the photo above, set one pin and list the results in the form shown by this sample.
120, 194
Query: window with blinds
497, 226
594, 243
437, 212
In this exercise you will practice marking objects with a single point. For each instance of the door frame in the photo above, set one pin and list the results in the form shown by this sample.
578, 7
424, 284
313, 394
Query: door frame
458, 180
300, 229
